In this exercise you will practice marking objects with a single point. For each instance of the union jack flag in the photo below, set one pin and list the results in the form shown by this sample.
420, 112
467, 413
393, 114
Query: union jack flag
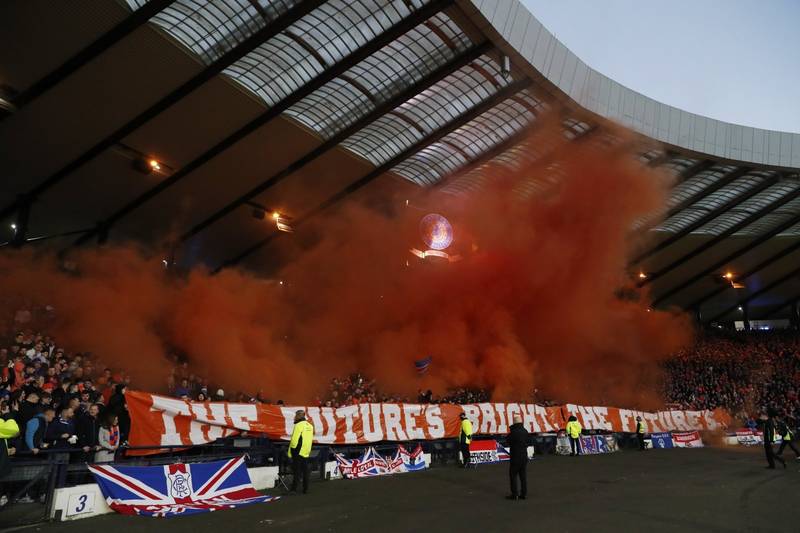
370, 464
177, 489
412, 461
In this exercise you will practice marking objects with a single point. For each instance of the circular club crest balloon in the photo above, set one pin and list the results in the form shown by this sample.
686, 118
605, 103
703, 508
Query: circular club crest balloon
436, 231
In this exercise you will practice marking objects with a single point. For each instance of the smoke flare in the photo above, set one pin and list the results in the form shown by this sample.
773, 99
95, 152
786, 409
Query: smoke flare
534, 303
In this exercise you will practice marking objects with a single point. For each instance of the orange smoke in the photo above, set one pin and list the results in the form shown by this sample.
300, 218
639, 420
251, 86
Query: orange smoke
534, 302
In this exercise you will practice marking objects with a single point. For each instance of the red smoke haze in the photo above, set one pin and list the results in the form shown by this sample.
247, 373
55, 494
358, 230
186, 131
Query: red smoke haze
533, 303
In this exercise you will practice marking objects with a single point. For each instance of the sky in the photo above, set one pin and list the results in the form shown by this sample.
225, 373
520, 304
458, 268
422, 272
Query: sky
732, 60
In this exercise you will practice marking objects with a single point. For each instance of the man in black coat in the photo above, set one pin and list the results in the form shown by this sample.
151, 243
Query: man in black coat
518, 448
88, 429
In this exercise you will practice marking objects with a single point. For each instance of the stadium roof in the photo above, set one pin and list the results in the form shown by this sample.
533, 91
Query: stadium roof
294, 105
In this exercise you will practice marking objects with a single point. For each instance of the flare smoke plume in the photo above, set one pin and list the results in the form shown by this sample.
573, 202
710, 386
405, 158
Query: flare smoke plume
534, 303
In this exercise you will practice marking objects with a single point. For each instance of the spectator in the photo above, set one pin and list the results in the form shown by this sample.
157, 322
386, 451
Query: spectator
36, 429
119, 407
183, 391
88, 428
108, 440
61, 433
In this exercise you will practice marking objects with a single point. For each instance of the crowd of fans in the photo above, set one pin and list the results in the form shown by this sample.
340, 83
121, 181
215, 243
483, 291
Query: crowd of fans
62, 400
745, 373
358, 389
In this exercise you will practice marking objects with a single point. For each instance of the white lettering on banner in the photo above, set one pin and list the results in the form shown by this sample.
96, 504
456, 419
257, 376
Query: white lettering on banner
594, 417
502, 427
203, 429
288, 421
665, 419
330, 425
652, 422
710, 420
433, 416
241, 414
541, 413
514, 409
315, 418
572, 409
348, 413
680, 420
488, 422
186, 423
370, 422
692, 419
394, 422
627, 417
473, 412
170, 407
529, 418
410, 412
198, 428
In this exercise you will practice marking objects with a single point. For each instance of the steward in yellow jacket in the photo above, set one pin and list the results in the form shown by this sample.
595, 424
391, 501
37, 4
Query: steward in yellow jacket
464, 438
8, 430
574, 433
641, 429
300, 449
786, 437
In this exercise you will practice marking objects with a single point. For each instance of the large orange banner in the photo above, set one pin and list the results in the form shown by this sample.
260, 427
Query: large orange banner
163, 421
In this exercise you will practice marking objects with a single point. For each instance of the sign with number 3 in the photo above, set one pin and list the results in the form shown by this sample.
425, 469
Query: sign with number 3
80, 504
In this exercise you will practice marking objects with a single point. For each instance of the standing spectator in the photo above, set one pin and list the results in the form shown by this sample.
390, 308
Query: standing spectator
88, 428
119, 407
28, 408
36, 429
62, 431
518, 444
108, 439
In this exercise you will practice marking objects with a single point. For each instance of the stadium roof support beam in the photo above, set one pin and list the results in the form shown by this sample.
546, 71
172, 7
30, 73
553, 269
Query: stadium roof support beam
507, 92
403, 26
759, 267
267, 32
721, 237
725, 180
711, 215
463, 59
91, 51
766, 288
684, 175
730, 257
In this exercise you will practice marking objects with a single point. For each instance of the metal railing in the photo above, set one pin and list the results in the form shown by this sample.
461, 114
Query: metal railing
51, 469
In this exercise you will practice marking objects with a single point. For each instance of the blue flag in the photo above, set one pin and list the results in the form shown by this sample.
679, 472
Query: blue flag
661, 440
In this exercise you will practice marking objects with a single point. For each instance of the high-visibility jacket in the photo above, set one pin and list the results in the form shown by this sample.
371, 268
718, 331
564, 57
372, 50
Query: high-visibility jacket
302, 435
784, 431
574, 429
466, 430
8, 429
641, 427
